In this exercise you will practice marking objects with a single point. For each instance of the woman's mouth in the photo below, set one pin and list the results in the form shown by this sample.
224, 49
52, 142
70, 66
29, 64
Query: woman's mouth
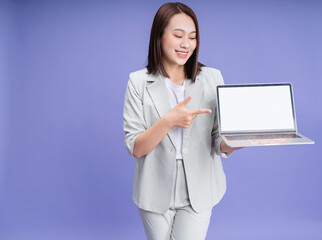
182, 54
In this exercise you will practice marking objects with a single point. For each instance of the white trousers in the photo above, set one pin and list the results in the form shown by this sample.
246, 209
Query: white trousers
180, 222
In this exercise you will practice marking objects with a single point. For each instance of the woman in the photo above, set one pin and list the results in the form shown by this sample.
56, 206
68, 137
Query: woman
171, 129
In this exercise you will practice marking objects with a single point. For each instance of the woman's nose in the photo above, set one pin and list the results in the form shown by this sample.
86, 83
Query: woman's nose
185, 42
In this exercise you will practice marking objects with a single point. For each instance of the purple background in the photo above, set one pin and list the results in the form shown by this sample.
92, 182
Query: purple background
64, 170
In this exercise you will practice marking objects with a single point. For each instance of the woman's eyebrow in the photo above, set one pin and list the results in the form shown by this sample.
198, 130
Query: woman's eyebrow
181, 30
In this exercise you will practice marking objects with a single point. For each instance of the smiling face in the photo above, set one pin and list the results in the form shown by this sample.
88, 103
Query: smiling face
178, 40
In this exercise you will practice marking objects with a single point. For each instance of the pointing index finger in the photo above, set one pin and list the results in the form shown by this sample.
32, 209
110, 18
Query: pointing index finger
201, 111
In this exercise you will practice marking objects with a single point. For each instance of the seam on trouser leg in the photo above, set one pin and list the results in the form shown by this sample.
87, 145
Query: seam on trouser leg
174, 219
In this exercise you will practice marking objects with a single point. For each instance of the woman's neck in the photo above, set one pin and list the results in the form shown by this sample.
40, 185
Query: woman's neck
176, 74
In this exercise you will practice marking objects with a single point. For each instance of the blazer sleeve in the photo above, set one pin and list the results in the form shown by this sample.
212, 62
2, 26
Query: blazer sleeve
133, 120
216, 139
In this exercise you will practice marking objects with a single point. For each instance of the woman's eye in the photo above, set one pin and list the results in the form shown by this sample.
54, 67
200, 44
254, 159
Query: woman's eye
178, 36
192, 38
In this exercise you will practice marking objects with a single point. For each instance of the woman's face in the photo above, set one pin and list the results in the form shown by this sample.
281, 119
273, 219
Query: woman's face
178, 40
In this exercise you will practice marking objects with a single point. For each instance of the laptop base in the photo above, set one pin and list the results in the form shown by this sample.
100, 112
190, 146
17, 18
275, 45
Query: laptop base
298, 139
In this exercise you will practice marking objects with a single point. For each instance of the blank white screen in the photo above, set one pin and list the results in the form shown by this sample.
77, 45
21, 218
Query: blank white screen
256, 108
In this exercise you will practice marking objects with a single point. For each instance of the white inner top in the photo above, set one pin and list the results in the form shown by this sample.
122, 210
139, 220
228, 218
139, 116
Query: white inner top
176, 95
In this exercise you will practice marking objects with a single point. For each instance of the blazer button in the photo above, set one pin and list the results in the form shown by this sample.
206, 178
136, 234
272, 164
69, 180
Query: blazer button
184, 150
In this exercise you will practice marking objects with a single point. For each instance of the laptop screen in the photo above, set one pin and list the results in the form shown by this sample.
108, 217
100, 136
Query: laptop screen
256, 107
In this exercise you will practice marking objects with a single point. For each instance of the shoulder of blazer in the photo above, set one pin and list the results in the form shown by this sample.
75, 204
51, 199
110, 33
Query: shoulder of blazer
140, 77
210, 74
206, 71
137, 80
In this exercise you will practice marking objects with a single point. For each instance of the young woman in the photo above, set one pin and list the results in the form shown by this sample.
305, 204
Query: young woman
171, 129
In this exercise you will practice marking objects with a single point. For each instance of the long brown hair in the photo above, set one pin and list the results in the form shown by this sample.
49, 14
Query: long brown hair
161, 20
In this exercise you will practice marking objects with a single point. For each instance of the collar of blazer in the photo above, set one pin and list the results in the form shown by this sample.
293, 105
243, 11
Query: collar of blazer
159, 95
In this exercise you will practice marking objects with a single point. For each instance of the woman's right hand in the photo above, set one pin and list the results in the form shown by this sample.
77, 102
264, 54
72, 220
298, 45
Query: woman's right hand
182, 117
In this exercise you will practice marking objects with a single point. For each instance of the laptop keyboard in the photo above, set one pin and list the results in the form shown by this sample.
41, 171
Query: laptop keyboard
261, 136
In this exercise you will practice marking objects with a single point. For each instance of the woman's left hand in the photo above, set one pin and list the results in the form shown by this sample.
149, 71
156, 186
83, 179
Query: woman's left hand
224, 148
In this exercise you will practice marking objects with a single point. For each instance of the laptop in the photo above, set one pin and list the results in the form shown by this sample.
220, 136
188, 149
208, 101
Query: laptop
258, 115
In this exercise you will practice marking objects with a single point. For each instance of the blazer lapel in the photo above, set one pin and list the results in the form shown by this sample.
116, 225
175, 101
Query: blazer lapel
159, 94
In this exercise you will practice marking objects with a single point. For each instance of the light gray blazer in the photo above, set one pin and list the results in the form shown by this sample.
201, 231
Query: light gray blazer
146, 101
